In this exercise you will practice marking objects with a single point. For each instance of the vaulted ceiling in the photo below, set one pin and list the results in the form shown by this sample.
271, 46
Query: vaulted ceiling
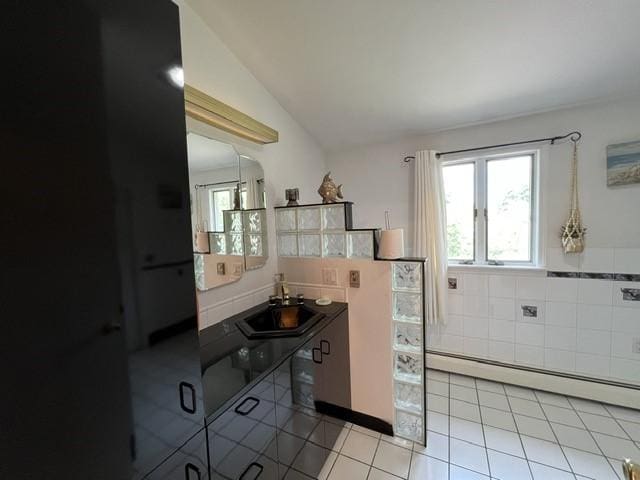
360, 71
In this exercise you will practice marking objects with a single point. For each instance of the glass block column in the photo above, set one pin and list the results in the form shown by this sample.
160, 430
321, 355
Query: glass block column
407, 291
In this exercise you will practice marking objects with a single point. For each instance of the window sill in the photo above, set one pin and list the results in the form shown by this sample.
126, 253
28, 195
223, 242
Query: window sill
496, 268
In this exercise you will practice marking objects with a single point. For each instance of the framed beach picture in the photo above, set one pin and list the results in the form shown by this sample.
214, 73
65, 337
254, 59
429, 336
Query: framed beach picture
623, 163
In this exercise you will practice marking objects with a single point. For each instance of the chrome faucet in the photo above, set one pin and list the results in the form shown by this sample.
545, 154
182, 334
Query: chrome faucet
631, 470
283, 288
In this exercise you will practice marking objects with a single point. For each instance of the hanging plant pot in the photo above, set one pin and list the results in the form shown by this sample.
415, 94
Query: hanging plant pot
572, 232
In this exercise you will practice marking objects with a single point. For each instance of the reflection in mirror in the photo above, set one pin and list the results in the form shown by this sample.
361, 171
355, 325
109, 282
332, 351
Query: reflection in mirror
228, 212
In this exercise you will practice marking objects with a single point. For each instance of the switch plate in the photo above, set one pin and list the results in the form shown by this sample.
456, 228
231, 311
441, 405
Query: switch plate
354, 278
329, 276
635, 346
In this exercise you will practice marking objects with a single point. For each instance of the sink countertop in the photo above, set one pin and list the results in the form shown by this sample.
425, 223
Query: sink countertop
232, 363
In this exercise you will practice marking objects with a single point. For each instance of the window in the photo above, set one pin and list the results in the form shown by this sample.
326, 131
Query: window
219, 200
492, 209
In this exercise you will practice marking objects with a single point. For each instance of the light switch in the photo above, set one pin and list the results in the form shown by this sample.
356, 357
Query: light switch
354, 278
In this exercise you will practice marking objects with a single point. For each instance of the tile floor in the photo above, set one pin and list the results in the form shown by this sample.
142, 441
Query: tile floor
483, 430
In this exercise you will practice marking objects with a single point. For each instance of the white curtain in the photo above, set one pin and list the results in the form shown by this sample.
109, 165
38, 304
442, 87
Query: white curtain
430, 232
252, 193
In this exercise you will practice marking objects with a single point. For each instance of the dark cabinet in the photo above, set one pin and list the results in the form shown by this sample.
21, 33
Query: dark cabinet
166, 399
242, 440
189, 462
313, 381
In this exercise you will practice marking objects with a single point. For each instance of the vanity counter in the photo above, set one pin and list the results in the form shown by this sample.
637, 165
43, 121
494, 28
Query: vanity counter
232, 363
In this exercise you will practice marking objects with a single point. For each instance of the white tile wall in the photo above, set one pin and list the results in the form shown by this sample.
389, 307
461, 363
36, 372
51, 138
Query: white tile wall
583, 326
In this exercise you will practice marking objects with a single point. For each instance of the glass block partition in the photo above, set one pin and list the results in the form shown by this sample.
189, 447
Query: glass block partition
316, 231
409, 397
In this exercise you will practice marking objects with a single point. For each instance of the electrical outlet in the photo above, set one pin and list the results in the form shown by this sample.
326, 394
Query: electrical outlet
635, 347
354, 278
329, 276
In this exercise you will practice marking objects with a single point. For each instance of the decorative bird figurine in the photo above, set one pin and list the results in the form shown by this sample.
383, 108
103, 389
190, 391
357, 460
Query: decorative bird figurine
328, 190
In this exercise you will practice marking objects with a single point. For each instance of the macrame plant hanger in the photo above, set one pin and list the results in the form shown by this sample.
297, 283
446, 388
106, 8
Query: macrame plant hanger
572, 232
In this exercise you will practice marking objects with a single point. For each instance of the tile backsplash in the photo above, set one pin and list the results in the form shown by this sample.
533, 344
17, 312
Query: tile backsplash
568, 323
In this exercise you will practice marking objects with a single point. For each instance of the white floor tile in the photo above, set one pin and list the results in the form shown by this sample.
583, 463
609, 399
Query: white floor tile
438, 375
464, 410
606, 425
614, 447
459, 473
423, 467
562, 415
437, 422
360, 447
393, 459
588, 406
494, 400
345, 467
437, 446
469, 456
439, 388
544, 452
311, 460
507, 467
376, 474
544, 472
526, 407
489, 386
463, 393
503, 441
329, 435
467, 431
575, 438
366, 431
588, 464
463, 380
400, 442
520, 392
623, 413
553, 399
632, 429
534, 427
498, 418
437, 403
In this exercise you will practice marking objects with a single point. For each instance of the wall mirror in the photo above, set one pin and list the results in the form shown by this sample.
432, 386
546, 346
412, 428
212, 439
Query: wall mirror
228, 211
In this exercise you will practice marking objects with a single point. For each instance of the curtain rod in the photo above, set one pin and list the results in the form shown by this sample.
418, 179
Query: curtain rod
574, 136
231, 182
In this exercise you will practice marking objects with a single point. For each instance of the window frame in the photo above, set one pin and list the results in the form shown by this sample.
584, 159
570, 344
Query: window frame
481, 230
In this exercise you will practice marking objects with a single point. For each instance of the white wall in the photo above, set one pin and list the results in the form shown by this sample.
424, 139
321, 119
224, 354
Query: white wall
376, 179
585, 327
295, 161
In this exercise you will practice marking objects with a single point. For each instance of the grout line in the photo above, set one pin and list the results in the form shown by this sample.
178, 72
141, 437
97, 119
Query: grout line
593, 438
524, 452
554, 433
484, 437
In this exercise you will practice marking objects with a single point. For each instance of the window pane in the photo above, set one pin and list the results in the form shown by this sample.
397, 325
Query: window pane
220, 200
509, 209
459, 187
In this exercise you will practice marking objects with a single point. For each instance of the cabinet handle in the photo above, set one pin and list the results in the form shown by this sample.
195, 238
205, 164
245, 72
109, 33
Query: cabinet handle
239, 410
314, 351
189, 409
246, 470
190, 467
324, 343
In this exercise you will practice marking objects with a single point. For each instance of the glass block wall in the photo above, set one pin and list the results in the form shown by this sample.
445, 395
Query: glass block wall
245, 231
407, 313
320, 231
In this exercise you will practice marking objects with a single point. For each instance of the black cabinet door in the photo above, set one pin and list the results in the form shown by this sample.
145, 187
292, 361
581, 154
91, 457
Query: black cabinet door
242, 440
307, 440
333, 352
189, 462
